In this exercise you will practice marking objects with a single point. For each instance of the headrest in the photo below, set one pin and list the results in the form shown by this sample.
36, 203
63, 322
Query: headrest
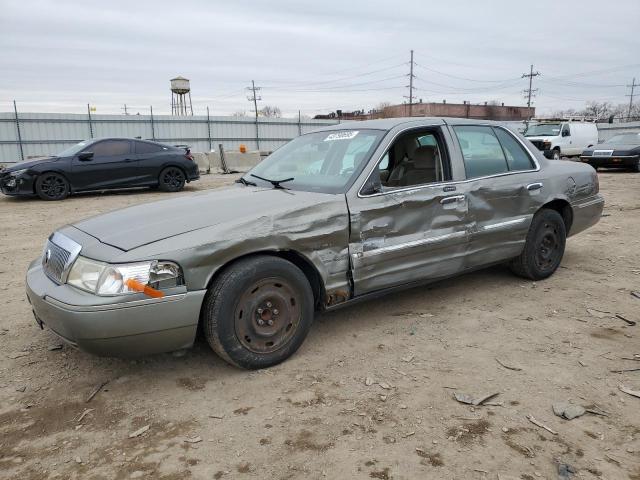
424, 157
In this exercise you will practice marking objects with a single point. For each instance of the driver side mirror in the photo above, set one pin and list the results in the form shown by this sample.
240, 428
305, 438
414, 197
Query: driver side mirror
84, 156
371, 187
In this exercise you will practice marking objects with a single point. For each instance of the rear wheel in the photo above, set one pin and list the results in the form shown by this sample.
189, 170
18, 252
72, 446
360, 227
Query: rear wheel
544, 246
258, 312
52, 186
171, 179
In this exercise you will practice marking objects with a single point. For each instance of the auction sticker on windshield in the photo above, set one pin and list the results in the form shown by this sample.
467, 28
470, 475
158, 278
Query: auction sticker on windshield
348, 135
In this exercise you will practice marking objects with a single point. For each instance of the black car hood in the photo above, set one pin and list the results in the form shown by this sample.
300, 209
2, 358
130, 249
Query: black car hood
29, 163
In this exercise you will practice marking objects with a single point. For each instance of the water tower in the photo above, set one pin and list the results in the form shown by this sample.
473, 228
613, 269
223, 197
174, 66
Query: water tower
180, 90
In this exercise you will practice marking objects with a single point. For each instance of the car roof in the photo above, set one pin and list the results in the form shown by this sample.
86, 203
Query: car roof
391, 123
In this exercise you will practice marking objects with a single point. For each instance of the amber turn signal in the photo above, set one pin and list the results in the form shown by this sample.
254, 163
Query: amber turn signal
146, 289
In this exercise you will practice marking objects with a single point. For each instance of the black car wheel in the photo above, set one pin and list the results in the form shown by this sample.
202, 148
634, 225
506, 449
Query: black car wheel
258, 312
52, 186
636, 166
171, 179
544, 246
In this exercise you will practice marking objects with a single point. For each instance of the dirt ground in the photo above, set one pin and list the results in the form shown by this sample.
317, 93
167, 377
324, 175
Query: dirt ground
371, 392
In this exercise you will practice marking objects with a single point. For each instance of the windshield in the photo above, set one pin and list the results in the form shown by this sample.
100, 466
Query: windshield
319, 162
543, 129
625, 138
69, 152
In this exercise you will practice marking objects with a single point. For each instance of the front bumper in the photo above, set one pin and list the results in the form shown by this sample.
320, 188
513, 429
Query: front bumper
126, 327
612, 161
20, 185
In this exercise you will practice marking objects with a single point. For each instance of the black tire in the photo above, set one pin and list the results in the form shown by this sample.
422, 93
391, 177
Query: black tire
556, 154
243, 300
52, 186
171, 179
636, 166
544, 246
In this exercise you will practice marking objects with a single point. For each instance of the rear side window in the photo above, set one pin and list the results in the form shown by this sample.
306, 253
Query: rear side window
109, 148
517, 157
144, 147
481, 151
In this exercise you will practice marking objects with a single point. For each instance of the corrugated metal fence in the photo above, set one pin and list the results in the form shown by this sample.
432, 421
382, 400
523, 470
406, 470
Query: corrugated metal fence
28, 135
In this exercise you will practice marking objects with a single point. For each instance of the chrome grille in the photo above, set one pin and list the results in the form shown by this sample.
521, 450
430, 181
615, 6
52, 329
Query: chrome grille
59, 254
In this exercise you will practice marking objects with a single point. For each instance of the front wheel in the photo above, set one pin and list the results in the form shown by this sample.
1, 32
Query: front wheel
171, 179
544, 246
52, 186
636, 166
258, 312
556, 154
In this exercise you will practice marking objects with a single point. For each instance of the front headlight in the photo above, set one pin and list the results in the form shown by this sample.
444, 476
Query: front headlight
17, 173
114, 279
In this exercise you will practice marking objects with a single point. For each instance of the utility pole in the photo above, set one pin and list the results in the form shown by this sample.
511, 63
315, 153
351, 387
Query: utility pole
410, 86
254, 98
126, 112
633, 86
528, 93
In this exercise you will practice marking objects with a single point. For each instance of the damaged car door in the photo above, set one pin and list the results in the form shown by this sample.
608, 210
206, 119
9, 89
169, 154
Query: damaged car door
409, 220
504, 188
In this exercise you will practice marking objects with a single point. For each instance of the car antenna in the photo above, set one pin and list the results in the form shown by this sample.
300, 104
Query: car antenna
275, 183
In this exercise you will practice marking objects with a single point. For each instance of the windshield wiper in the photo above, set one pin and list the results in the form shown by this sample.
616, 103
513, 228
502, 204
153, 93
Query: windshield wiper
275, 183
246, 182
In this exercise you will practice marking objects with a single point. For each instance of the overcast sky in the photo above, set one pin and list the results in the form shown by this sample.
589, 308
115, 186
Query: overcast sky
59, 55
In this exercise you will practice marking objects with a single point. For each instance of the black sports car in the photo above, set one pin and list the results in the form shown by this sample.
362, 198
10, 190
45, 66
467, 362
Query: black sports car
619, 151
102, 164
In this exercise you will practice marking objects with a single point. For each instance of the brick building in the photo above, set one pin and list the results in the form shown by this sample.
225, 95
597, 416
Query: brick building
486, 111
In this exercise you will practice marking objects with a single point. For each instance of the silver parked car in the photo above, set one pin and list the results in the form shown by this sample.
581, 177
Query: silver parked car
334, 216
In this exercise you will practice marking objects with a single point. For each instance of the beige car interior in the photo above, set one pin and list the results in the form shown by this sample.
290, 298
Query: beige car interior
412, 163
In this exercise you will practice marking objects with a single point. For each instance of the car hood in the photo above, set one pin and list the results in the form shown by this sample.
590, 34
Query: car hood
141, 225
29, 163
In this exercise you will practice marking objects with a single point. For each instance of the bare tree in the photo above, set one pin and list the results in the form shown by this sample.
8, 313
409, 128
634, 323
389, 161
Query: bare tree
271, 111
381, 110
239, 113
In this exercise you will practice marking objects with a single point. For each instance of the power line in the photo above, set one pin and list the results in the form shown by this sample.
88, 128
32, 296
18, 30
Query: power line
530, 91
633, 86
465, 78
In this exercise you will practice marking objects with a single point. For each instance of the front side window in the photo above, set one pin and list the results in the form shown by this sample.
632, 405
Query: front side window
323, 162
565, 131
110, 148
415, 158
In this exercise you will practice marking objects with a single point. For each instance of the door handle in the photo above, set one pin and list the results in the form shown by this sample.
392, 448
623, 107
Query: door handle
128, 160
534, 186
453, 199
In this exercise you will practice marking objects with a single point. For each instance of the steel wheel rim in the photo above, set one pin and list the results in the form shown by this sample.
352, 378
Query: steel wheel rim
173, 178
52, 186
548, 248
267, 315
